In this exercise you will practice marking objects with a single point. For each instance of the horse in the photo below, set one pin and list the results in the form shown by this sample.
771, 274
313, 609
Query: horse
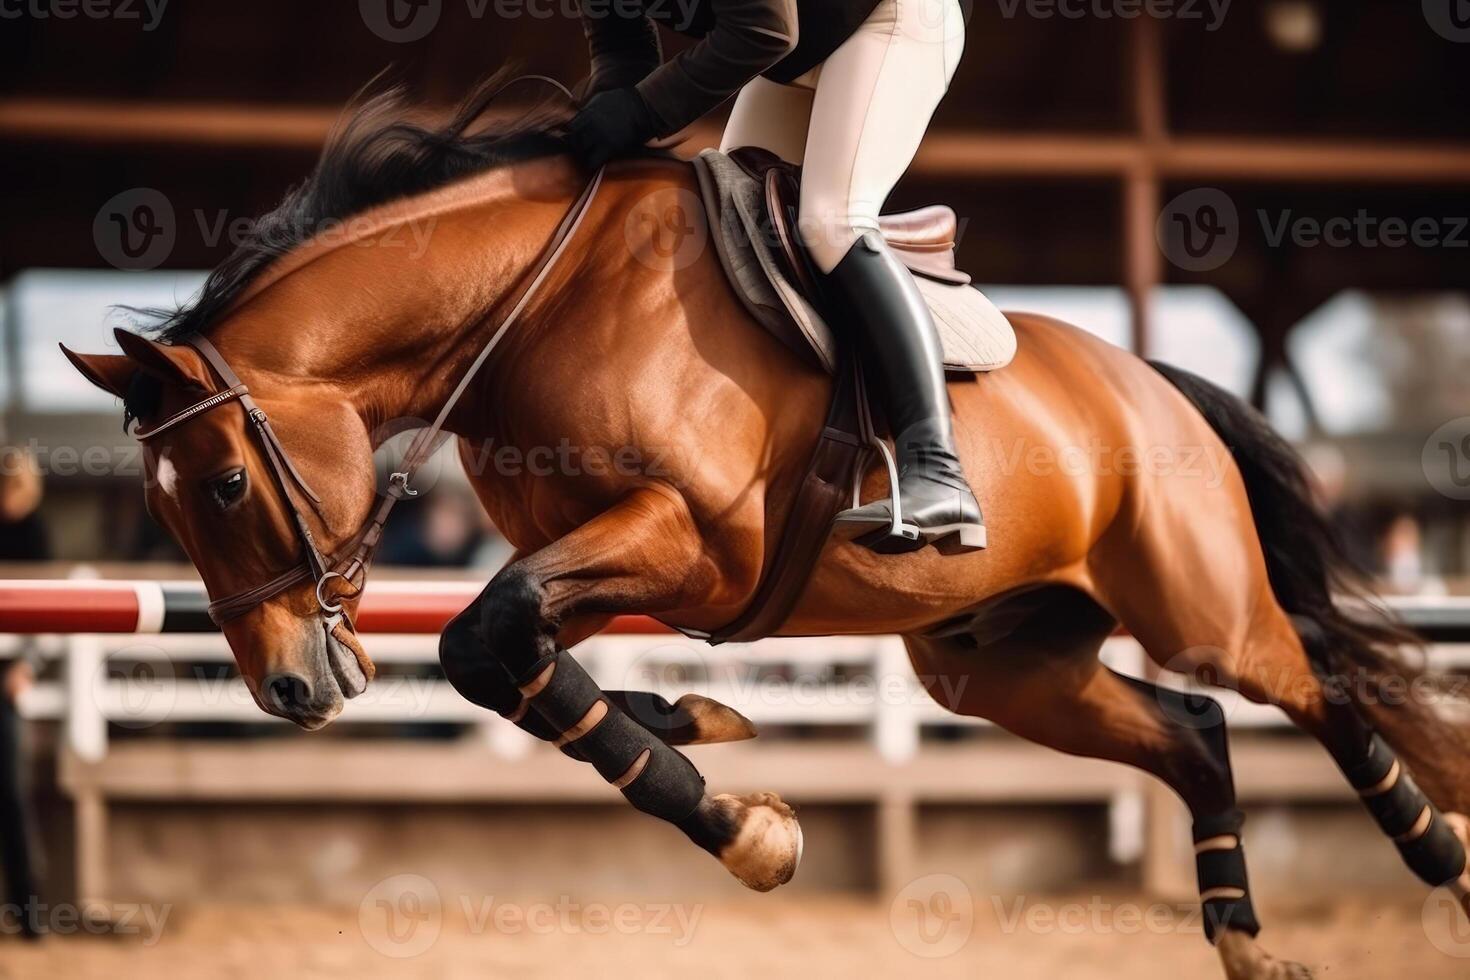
1120, 494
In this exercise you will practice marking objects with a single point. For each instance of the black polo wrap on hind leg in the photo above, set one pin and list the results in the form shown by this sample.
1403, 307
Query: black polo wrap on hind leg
1428, 844
668, 786
1224, 887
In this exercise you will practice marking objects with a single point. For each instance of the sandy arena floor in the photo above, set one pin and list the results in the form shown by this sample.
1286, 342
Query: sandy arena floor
1077, 938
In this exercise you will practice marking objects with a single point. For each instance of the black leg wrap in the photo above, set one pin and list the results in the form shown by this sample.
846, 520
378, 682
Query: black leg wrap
1432, 851
470, 667
1438, 857
668, 787
1224, 869
481, 679
1372, 768
568, 695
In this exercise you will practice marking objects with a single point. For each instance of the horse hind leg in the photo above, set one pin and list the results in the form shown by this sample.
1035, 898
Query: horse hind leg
1293, 671
1045, 684
1262, 551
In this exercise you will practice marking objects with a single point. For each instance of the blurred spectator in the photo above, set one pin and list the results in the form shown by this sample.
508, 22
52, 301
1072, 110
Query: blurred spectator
17, 826
1402, 550
444, 531
23, 534
22, 538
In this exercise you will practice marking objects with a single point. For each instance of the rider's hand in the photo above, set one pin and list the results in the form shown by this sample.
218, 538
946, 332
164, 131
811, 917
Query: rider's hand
612, 124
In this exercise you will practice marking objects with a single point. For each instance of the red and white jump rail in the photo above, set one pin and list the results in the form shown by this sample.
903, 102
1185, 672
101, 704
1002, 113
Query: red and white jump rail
30, 606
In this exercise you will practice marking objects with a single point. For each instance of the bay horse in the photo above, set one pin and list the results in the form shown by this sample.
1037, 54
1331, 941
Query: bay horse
1119, 493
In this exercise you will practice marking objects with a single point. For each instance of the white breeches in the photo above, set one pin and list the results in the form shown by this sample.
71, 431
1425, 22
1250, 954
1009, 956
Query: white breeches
855, 121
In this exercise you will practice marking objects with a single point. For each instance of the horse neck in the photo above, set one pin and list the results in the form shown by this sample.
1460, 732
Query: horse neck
393, 331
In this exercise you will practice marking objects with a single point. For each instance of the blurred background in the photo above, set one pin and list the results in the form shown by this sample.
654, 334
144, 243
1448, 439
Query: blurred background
1272, 193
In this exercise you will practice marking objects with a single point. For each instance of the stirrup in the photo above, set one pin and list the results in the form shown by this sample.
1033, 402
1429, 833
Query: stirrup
899, 536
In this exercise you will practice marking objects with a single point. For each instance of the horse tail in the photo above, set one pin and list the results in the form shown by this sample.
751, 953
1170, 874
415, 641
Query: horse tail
1344, 627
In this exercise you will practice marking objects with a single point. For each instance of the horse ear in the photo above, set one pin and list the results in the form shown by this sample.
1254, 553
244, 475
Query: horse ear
112, 373
167, 362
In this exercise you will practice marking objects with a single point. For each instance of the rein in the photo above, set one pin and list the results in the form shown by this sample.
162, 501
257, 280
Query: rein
323, 568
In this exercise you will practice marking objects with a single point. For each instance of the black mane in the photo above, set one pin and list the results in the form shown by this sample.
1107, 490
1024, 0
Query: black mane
378, 154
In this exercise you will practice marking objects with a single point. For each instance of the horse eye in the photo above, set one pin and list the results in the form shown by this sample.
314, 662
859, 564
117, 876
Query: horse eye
228, 489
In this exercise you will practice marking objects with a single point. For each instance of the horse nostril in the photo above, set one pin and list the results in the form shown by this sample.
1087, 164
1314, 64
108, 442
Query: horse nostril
288, 693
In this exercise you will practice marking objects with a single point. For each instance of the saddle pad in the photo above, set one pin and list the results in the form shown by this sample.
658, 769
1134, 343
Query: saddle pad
976, 335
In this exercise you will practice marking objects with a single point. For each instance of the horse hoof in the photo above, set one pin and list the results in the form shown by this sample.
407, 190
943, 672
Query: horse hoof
713, 722
1244, 959
765, 848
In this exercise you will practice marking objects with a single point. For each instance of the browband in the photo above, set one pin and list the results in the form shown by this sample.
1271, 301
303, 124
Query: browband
198, 408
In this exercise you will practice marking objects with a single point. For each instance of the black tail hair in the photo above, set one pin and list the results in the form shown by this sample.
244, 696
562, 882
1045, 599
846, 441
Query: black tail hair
1310, 569
1343, 625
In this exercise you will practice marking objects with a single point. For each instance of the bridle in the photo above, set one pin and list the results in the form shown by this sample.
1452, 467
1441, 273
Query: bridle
350, 565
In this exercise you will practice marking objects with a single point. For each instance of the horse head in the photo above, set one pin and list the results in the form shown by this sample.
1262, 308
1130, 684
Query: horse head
210, 482
391, 201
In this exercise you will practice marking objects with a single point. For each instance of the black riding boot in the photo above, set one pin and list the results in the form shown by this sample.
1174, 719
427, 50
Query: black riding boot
903, 361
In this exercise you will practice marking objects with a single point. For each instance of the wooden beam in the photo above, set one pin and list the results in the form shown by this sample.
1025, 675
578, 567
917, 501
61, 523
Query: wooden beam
1300, 160
951, 154
90, 817
944, 154
896, 831
1192, 158
1143, 267
205, 124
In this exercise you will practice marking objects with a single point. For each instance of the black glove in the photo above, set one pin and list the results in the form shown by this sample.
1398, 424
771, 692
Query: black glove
612, 124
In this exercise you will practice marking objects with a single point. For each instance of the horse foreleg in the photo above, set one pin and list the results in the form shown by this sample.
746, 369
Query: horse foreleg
642, 556
482, 680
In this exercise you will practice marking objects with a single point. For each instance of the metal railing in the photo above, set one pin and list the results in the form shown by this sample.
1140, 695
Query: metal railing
142, 679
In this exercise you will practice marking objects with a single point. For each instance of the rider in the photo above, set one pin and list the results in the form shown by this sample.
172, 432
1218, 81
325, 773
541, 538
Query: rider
846, 88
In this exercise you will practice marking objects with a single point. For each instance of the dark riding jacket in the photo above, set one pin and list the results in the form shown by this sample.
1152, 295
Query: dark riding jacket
739, 39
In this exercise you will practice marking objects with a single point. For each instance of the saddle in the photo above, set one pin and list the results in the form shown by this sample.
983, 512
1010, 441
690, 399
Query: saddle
751, 202
750, 199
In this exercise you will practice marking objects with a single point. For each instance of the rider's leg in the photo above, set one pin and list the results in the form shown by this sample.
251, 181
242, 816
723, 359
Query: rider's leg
874, 97
771, 116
